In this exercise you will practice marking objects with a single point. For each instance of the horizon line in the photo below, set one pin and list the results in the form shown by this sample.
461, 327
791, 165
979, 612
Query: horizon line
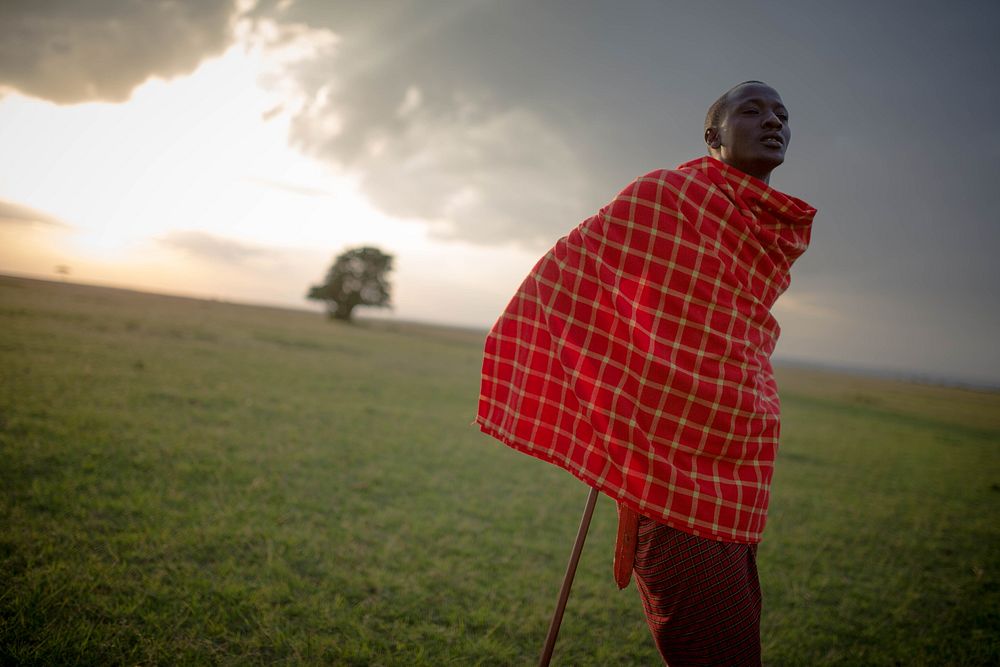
904, 375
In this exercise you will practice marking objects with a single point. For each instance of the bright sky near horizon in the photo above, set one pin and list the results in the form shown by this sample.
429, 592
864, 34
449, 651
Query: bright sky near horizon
230, 149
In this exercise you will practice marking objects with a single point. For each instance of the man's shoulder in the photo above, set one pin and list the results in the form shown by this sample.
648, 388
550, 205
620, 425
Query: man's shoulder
663, 174
660, 184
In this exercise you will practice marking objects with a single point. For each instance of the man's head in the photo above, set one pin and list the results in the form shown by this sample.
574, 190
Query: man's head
747, 128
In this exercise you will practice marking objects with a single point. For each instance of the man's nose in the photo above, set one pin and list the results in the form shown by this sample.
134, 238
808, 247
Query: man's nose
771, 120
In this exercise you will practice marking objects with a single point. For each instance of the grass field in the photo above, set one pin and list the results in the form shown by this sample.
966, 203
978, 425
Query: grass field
195, 482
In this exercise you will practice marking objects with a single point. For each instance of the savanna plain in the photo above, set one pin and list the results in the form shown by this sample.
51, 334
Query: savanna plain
195, 482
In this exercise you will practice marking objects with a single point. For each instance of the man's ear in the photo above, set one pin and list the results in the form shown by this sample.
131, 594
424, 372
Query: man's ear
712, 138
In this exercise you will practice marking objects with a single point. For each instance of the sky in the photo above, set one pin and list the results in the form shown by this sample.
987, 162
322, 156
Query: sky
230, 149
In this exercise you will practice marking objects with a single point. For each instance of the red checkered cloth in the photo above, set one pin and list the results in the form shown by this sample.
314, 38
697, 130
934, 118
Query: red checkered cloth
636, 354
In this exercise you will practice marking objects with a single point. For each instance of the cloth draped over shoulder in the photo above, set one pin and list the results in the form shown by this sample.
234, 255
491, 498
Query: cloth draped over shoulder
636, 354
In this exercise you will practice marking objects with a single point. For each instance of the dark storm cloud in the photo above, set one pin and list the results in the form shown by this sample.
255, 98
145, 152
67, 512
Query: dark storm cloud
512, 120
18, 214
431, 135
75, 51
215, 248
500, 122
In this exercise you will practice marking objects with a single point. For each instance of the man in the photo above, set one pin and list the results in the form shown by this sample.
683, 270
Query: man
636, 355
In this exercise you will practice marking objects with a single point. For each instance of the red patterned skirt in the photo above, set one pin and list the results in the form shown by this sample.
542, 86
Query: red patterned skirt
701, 596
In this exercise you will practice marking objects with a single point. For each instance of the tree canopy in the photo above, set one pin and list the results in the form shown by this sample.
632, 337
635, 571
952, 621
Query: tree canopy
358, 277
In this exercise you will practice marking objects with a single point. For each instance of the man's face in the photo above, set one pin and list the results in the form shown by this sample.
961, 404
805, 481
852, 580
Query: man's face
753, 131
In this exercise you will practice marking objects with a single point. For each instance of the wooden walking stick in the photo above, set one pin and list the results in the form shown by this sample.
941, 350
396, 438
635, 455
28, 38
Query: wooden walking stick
574, 558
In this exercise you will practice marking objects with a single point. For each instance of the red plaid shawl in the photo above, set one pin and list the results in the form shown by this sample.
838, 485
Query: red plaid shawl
636, 354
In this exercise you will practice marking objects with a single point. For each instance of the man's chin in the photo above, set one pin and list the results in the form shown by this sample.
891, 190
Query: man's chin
771, 157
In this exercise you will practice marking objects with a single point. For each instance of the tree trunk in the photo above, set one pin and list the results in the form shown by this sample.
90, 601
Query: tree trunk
342, 311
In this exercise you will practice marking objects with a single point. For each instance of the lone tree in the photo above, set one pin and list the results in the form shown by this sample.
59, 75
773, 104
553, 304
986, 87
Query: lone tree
357, 278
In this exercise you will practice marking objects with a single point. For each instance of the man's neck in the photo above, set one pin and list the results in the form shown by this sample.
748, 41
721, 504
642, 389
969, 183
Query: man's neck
766, 176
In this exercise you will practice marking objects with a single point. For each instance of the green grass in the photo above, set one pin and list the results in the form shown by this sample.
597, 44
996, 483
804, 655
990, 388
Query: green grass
194, 482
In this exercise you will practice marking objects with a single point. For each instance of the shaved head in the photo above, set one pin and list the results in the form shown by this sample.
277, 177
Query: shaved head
714, 114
